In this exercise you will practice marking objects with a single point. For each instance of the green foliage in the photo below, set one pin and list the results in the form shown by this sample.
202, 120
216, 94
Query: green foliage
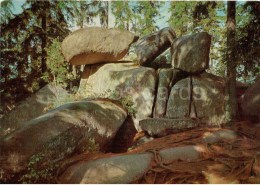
58, 67
35, 174
123, 14
248, 41
92, 146
24, 40
147, 13
125, 101
6, 11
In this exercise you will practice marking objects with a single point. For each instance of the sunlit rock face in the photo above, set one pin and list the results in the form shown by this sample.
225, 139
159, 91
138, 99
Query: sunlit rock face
122, 81
199, 96
151, 46
191, 53
95, 45
73, 127
250, 102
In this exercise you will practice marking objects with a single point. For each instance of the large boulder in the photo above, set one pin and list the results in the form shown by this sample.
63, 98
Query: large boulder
95, 45
151, 46
124, 82
31, 107
167, 78
199, 96
250, 102
191, 53
111, 170
74, 127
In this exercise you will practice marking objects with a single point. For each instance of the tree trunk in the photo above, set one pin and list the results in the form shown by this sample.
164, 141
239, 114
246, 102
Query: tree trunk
231, 107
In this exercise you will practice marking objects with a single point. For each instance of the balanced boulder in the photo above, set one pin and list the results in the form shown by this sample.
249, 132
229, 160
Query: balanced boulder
151, 46
95, 45
191, 53
127, 82
74, 127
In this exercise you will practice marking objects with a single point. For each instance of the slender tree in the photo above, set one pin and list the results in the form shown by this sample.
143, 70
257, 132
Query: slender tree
231, 106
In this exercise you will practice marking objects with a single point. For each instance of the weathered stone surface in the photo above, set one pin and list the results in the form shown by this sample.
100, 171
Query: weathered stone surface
199, 96
213, 137
127, 168
123, 81
185, 153
179, 100
191, 53
250, 102
95, 45
167, 78
31, 107
161, 126
112, 170
151, 46
59, 133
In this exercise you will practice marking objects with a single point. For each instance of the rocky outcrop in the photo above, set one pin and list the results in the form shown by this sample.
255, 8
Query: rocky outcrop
167, 78
161, 126
74, 127
124, 82
199, 96
151, 46
191, 53
31, 107
250, 102
95, 45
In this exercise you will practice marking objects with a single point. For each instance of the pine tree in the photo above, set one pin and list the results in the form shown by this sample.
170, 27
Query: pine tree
248, 41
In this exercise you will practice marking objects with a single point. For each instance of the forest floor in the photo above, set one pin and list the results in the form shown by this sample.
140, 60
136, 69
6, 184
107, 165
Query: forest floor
225, 161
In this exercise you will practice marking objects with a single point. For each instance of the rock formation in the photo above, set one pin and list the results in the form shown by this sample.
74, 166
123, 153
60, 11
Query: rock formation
250, 102
151, 46
95, 45
122, 81
31, 108
71, 128
119, 98
191, 53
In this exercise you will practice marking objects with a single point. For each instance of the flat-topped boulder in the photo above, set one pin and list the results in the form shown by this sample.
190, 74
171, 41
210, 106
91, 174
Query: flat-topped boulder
163, 126
94, 45
191, 53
